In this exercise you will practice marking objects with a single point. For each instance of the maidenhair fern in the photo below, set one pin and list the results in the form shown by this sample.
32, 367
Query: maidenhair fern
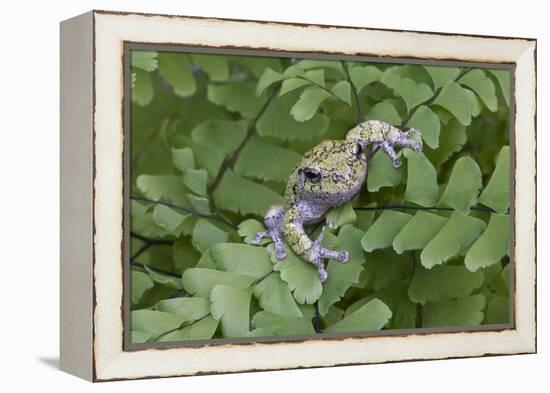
213, 141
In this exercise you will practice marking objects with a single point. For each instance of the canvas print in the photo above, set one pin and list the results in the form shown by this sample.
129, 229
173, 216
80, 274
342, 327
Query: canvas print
296, 197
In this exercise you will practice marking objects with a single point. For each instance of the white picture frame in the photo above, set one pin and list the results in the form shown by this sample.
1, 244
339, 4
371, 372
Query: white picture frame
92, 195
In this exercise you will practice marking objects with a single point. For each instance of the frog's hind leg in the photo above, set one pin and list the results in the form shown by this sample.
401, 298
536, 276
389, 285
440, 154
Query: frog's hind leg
273, 220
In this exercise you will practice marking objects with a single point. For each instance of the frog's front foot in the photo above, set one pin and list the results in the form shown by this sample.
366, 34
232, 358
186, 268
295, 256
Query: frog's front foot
412, 143
317, 252
274, 235
401, 139
273, 220
416, 145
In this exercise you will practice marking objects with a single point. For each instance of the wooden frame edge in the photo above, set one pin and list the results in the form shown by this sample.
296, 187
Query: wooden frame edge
525, 338
76, 196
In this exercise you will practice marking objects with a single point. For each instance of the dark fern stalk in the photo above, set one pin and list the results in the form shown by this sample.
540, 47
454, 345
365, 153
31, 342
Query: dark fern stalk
431, 99
180, 327
148, 242
405, 207
151, 241
316, 317
230, 161
155, 269
358, 111
212, 217
322, 88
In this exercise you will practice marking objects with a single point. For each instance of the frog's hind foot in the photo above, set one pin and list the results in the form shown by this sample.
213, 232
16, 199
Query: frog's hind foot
273, 221
318, 252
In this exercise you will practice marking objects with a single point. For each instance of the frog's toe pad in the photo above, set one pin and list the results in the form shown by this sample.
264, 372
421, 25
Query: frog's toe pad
343, 257
323, 275
416, 145
396, 163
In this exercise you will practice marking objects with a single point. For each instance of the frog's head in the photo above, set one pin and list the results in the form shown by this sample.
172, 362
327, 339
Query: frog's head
332, 168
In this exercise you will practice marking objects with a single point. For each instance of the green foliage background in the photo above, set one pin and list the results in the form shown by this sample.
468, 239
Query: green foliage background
213, 140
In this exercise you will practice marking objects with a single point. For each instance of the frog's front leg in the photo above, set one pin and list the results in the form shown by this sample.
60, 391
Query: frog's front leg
388, 148
273, 220
301, 244
400, 138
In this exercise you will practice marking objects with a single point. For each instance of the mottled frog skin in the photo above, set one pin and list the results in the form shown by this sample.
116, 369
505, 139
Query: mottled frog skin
328, 176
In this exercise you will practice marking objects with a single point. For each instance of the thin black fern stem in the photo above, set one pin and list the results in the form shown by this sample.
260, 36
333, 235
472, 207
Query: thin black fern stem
181, 327
419, 315
186, 210
151, 240
413, 268
406, 207
229, 162
431, 99
148, 243
316, 317
323, 88
358, 112
143, 248
418, 308
153, 268
257, 281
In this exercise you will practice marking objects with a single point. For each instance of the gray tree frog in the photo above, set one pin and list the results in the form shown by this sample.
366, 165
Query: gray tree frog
328, 176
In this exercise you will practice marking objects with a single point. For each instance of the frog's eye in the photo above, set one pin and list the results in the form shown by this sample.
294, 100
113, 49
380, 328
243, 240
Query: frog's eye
313, 175
358, 150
